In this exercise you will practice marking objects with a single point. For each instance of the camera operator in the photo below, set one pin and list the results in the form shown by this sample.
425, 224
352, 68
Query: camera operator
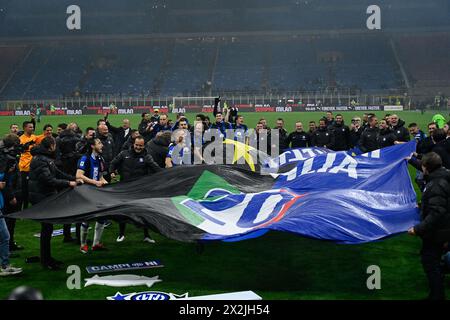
9, 156
45, 180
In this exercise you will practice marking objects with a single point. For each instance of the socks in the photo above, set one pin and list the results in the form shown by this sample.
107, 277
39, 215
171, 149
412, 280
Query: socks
98, 233
83, 233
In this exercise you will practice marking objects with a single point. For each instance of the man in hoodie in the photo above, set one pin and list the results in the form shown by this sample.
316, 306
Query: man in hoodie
108, 147
397, 126
45, 180
340, 134
434, 229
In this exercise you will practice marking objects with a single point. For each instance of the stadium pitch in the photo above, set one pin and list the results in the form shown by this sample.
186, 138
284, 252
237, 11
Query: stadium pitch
275, 266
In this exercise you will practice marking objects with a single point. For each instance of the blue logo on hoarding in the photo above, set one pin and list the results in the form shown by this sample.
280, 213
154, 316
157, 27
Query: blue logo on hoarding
146, 296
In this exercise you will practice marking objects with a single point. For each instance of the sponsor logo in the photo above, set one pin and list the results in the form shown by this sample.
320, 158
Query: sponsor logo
283, 109
125, 111
147, 296
22, 113
124, 266
179, 110
74, 112
393, 108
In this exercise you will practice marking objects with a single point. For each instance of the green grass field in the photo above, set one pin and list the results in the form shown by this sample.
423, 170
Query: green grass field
275, 266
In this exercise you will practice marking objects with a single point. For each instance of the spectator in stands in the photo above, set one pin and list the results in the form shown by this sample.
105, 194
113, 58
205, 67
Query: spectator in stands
321, 137
312, 127
434, 229
299, 138
340, 134
282, 136
45, 180
107, 148
91, 169
120, 134
27, 140
158, 147
369, 138
397, 125
132, 164
355, 132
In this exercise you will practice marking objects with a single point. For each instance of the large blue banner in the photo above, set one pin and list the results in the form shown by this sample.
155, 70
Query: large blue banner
327, 195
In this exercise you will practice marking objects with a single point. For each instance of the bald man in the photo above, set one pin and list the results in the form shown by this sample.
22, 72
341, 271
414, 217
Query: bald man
120, 134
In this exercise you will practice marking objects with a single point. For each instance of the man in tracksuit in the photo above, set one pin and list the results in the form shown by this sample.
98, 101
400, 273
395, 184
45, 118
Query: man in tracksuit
132, 164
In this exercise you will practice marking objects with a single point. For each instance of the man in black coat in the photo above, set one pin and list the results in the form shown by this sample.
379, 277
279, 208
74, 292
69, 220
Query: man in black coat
340, 134
45, 180
321, 137
434, 229
298, 138
158, 147
132, 164
397, 126
108, 146
370, 137
120, 134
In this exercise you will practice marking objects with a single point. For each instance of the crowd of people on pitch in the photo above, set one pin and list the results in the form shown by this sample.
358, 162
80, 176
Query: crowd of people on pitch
34, 167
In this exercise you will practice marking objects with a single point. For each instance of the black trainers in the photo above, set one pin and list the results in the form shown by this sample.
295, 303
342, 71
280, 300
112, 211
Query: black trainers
15, 247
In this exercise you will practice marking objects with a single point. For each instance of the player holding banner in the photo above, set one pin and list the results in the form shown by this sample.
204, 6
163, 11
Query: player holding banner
90, 169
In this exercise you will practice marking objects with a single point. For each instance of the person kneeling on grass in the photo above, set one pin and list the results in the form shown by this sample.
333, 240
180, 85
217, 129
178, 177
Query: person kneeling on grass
91, 168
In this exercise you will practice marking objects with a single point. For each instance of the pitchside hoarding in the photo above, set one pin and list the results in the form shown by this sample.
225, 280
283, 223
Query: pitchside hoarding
92, 110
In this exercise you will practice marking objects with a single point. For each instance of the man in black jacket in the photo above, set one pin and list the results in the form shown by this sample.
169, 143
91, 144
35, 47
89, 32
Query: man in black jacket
67, 159
298, 138
158, 147
434, 229
356, 130
370, 137
397, 126
132, 164
45, 180
340, 134
108, 146
120, 134
386, 137
321, 137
